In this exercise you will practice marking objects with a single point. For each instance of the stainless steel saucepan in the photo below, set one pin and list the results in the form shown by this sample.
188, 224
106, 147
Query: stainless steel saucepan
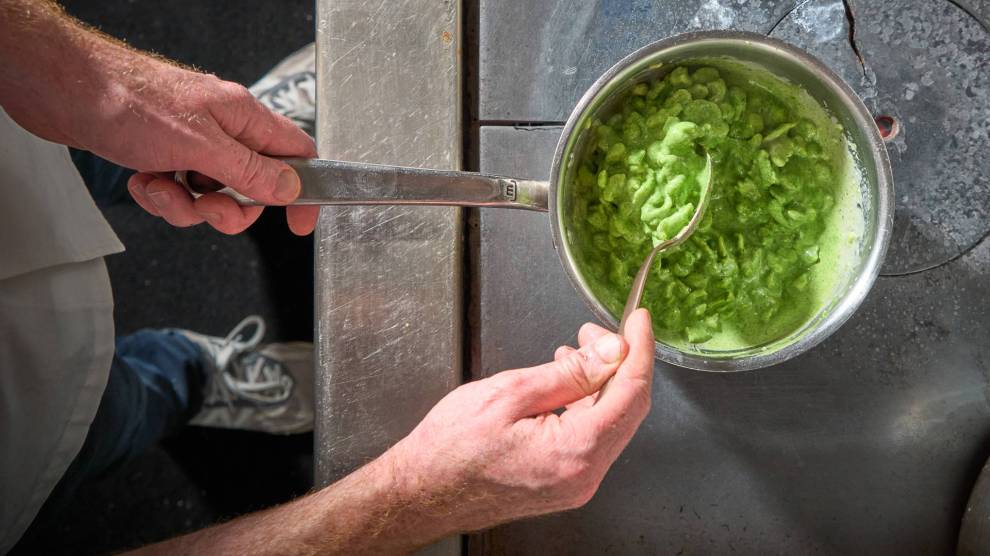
329, 182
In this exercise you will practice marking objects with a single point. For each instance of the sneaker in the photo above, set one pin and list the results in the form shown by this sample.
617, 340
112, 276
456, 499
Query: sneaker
290, 88
266, 389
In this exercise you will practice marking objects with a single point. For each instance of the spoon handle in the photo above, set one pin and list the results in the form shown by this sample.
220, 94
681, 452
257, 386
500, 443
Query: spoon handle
636, 296
639, 284
335, 182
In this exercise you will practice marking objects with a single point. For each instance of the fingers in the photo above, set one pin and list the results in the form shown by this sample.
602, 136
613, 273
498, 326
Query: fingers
256, 127
246, 129
627, 400
264, 179
590, 332
302, 220
165, 198
564, 351
576, 375
136, 186
224, 214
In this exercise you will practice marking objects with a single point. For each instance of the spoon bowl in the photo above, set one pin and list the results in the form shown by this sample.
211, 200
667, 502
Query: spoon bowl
639, 282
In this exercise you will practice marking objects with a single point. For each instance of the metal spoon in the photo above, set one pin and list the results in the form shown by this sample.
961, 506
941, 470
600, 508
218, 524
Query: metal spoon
639, 283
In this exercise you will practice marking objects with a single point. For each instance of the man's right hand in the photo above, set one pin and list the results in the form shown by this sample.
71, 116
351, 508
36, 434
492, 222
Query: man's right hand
495, 450
489, 452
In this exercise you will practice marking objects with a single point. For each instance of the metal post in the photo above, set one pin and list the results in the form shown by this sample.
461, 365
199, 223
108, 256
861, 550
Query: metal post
388, 279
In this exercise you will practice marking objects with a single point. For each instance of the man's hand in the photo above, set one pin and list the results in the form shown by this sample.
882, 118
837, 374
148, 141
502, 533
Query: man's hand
495, 450
489, 452
71, 85
198, 122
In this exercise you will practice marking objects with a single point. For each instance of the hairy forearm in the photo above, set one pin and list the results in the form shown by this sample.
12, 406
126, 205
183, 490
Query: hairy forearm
54, 70
373, 510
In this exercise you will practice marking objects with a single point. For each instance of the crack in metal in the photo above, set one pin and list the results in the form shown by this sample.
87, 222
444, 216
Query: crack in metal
971, 13
986, 236
851, 19
785, 16
955, 258
520, 124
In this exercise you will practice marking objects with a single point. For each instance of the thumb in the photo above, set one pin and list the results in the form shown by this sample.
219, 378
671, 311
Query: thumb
264, 179
574, 376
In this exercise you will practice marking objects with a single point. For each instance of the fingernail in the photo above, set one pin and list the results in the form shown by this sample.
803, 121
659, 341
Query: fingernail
212, 217
161, 199
609, 348
287, 187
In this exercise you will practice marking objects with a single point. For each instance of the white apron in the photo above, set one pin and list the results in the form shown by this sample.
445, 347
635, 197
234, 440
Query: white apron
56, 320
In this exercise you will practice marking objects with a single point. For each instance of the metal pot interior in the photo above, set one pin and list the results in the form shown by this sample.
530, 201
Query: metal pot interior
785, 62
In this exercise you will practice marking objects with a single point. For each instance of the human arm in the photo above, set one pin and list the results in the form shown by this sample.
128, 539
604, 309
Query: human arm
72, 85
490, 452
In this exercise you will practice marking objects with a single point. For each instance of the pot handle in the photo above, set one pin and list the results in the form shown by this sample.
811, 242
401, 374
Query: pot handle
333, 182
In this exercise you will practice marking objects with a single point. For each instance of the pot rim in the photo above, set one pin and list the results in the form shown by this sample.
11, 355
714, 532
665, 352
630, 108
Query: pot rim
858, 287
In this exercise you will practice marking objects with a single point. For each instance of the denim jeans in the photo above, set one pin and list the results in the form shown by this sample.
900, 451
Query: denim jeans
155, 384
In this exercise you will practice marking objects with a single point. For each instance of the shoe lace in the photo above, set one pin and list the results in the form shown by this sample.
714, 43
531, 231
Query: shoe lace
264, 381
234, 345
242, 374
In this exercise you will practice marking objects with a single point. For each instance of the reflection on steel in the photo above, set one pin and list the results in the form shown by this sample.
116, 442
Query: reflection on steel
388, 280
537, 57
331, 182
927, 65
974, 535
335, 182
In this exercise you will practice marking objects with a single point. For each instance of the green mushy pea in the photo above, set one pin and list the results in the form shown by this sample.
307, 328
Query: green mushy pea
748, 271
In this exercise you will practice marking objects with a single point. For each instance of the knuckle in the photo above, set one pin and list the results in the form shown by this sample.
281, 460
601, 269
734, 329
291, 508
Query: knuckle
508, 386
235, 91
252, 170
578, 482
573, 471
583, 496
572, 371
643, 396
509, 382
490, 393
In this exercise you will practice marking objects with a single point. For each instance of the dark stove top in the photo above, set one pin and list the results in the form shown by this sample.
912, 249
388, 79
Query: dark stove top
869, 442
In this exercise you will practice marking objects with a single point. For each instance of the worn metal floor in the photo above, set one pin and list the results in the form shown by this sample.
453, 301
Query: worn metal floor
199, 279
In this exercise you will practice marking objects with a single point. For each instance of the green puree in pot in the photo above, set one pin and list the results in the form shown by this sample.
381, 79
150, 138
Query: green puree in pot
752, 271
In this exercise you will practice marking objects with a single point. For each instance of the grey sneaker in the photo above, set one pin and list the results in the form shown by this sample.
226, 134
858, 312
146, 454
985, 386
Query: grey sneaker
290, 88
267, 389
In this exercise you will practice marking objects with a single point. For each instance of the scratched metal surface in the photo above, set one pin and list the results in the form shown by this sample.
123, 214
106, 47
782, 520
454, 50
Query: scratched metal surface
388, 280
927, 64
568, 44
869, 443
520, 153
